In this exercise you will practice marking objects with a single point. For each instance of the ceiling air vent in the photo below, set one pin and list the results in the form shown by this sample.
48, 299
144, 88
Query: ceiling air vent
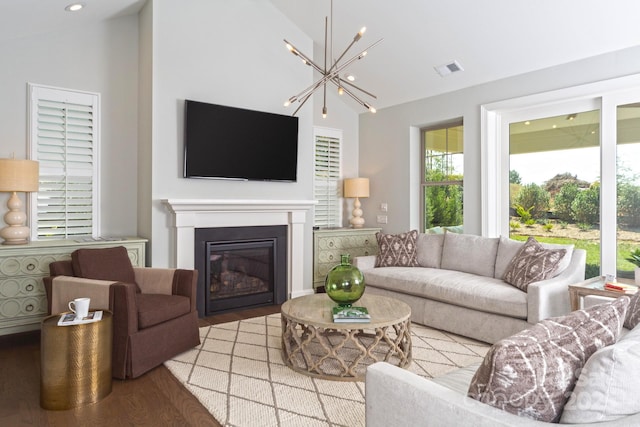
446, 69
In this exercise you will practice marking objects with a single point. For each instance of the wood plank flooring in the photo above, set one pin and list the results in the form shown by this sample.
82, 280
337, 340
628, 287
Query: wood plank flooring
154, 399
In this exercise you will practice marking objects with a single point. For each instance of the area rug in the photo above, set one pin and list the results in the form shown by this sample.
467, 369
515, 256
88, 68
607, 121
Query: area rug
237, 373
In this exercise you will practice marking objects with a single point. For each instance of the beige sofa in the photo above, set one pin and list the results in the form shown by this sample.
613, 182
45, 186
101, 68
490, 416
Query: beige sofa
458, 285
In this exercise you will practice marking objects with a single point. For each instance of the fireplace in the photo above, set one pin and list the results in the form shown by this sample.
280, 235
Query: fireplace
189, 215
240, 267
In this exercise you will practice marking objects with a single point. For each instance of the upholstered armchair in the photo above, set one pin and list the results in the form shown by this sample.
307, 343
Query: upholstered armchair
154, 309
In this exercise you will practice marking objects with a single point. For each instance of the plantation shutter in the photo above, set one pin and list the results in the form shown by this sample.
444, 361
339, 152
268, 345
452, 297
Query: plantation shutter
64, 141
327, 188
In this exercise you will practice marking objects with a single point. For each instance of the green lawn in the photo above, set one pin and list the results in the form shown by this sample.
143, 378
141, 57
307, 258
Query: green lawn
624, 267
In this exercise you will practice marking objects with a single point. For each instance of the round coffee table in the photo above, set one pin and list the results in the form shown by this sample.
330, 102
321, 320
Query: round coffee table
314, 345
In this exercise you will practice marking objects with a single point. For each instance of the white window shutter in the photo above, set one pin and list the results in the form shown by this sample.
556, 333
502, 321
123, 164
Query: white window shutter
64, 140
326, 180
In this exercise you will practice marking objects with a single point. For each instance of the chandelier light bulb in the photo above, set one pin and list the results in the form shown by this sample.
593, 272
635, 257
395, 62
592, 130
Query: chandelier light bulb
324, 112
340, 90
362, 30
287, 103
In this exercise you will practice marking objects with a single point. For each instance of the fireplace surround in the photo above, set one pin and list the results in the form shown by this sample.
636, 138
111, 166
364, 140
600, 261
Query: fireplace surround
187, 215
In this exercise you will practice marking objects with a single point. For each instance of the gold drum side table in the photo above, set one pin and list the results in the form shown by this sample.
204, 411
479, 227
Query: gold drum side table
75, 362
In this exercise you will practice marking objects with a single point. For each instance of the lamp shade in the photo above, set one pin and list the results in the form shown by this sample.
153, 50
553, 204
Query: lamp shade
18, 175
356, 187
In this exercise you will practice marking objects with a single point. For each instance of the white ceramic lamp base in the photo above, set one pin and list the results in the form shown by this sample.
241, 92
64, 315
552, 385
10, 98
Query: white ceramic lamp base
15, 233
357, 221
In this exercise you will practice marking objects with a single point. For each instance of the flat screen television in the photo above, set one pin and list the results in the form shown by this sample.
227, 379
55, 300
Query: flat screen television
234, 143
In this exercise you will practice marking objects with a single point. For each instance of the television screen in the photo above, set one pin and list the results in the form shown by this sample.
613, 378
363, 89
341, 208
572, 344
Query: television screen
234, 143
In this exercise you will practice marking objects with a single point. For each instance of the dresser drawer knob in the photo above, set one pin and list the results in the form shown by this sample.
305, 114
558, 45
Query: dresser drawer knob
31, 267
29, 308
29, 287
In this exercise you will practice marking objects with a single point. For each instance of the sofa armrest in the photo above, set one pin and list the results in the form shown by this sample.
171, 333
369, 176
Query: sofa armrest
550, 298
365, 262
185, 283
397, 397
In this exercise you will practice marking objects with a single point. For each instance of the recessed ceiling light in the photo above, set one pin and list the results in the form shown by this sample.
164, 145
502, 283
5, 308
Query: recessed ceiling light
74, 7
351, 77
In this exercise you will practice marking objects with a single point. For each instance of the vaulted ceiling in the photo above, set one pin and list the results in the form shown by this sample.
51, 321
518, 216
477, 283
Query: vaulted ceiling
490, 39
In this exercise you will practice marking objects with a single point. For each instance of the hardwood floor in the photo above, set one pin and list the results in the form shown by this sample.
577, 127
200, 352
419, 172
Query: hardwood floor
154, 399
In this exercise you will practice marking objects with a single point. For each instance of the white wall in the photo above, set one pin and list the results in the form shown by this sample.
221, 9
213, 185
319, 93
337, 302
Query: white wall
389, 142
100, 58
229, 53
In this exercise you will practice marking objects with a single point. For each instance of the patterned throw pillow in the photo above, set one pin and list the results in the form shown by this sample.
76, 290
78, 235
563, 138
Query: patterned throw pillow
397, 250
532, 373
633, 314
532, 263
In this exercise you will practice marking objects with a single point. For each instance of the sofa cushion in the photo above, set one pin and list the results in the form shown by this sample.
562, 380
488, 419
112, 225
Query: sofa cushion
154, 309
454, 287
633, 314
508, 248
531, 373
469, 253
429, 250
532, 263
397, 249
608, 386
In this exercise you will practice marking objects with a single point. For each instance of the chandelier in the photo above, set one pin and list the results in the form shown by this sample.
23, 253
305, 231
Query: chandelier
332, 73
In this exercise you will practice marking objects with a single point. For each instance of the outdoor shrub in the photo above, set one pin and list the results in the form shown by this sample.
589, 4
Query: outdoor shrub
514, 225
530, 222
583, 226
563, 225
548, 226
563, 200
586, 205
629, 205
535, 196
524, 214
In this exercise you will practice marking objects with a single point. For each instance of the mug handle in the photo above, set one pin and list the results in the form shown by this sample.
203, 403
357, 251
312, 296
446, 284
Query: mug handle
72, 308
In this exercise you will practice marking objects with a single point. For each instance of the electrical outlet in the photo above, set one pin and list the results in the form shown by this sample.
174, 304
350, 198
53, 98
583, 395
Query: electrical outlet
384, 207
382, 219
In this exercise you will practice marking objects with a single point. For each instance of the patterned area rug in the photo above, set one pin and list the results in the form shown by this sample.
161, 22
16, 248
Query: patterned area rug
238, 374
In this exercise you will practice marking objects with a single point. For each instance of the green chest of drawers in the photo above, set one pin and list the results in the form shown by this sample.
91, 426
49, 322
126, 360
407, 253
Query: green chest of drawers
23, 302
329, 244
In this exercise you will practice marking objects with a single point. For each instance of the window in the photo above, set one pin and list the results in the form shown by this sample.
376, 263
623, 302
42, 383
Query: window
605, 206
63, 137
442, 148
326, 178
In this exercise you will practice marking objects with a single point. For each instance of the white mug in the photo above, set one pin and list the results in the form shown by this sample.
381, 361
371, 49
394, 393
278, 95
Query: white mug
80, 306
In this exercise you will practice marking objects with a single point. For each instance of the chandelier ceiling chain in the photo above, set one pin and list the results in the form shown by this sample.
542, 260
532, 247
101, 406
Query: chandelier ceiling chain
331, 74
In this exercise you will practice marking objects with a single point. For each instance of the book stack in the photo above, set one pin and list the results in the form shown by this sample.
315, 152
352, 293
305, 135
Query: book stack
620, 287
351, 315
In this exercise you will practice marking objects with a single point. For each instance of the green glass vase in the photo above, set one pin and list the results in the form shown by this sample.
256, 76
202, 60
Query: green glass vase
344, 283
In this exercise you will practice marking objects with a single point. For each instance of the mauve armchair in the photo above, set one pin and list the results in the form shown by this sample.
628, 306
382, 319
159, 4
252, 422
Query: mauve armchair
154, 309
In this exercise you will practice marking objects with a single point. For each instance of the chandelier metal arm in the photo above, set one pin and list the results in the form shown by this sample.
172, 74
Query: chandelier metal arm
330, 75
355, 87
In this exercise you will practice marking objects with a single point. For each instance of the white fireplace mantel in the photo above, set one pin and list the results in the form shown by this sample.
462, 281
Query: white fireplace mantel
189, 214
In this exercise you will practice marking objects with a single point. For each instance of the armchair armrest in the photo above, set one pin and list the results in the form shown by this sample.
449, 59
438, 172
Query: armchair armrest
62, 289
168, 281
550, 298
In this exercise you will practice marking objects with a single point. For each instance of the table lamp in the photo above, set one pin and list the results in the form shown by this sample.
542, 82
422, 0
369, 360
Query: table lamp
356, 187
17, 175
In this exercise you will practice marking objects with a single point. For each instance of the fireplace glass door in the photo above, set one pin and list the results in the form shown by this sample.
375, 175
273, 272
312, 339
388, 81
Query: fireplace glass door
240, 273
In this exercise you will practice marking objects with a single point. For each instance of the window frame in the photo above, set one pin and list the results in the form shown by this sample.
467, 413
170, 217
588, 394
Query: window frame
334, 205
36, 94
423, 167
